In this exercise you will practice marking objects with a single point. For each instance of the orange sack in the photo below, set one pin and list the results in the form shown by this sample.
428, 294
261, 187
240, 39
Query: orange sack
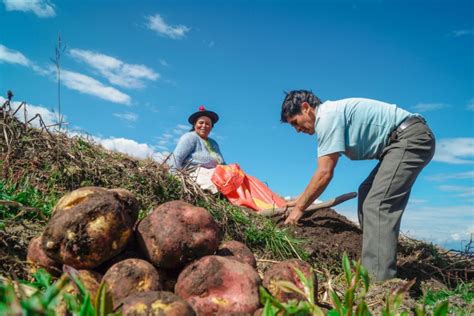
242, 189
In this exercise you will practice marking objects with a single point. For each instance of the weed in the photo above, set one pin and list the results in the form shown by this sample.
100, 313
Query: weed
44, 297
353, 301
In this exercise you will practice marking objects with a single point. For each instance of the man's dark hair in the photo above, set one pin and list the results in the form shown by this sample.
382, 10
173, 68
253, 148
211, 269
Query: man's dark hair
292, 104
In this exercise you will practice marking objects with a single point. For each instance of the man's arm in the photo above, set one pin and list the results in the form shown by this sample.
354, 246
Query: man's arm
318, 183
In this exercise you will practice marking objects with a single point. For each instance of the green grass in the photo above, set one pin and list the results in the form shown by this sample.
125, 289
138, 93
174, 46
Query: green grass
255, 232
27, 196
463, 291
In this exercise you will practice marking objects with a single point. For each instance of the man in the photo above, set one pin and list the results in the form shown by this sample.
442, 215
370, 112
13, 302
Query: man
364, 129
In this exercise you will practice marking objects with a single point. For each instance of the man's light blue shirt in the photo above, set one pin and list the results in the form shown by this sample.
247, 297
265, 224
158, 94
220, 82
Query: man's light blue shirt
358, 128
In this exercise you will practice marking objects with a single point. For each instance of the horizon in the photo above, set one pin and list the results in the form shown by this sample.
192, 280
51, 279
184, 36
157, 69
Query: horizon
133, 72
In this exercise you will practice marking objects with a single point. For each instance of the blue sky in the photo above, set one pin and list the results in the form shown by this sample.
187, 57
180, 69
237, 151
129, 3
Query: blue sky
133, 71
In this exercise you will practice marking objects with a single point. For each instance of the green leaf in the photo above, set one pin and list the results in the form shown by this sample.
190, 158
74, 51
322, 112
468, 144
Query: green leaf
347, 268
268, 309
53, 291
441, 309
103, 301
71, 303
362, 309
289, 287
334, 312
420, 310
336, 301
265, 296
43, 278
349, 298
364, 274
86, 308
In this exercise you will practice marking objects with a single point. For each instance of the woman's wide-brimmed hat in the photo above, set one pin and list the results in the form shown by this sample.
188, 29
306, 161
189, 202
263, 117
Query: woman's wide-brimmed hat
203, 112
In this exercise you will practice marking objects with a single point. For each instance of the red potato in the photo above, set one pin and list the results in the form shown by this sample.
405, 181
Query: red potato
156, 303
285, 271
176, 232
37, 258
89, 226
239, 250
219, 285
132, 276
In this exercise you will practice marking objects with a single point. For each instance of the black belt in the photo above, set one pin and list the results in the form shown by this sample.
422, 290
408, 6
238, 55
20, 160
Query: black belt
405, 124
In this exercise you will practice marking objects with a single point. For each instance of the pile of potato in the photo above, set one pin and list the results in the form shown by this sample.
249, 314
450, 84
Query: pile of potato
172, 262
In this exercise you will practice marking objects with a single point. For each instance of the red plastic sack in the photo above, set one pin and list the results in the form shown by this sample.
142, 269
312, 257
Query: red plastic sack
242, 189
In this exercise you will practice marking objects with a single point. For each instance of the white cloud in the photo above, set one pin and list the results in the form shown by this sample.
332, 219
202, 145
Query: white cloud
12, 56
158, 24
426, 107
171, 137
127, 146
180, 129
132, 148
42, 8
114, 70
455, 150
127, 116
470, 105
70, 79
48, 116
462, 191
439, 223
91, 86
164, 63
451, 176
458, 33
161, 156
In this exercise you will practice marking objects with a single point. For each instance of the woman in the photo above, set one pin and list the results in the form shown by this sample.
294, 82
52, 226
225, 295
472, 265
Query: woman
197, 150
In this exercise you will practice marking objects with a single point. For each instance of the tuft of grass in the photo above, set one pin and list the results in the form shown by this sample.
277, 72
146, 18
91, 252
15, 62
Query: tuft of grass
463, 292
42, 297
255, 231
28, 201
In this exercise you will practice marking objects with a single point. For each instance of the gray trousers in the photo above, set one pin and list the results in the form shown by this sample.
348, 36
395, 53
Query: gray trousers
384, 195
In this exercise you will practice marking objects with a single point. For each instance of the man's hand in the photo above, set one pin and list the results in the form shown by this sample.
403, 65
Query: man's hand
290, 203
294, 216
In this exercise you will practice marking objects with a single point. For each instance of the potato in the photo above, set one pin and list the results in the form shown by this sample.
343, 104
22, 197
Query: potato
239, 250
285, 271
176, 232
37, 258
89, 226
131, 251
132, 276
219, 285
130, 202
157, 303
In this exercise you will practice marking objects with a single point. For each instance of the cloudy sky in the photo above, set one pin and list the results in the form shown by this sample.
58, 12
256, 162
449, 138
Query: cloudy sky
132, 72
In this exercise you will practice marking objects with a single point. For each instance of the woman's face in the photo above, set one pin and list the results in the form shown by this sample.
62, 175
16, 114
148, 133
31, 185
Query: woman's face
203, 126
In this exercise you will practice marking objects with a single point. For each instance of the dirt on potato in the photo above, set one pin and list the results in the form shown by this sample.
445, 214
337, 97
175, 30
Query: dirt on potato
158, 303
237, 250
132, 276
286, 271
215, 285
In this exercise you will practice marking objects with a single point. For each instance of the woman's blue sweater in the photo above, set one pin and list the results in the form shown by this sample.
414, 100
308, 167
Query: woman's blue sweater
191, 150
